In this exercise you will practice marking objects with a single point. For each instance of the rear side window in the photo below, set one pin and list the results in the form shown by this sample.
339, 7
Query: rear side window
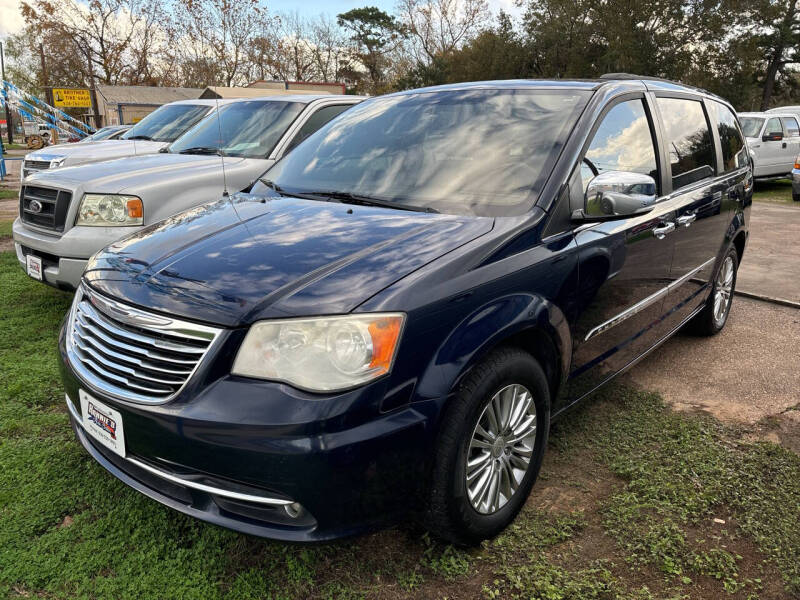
730, 138
691, 148
315, 121
622, 142
791, 126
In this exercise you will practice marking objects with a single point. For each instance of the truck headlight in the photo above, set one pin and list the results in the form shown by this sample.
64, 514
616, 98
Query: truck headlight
110, 210
322, 354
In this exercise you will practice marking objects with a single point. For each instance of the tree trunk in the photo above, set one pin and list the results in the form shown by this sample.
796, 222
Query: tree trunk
769, 78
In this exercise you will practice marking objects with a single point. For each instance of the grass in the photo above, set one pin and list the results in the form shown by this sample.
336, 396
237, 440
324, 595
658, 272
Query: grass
6, 194
5, 229
624, 508
777, 191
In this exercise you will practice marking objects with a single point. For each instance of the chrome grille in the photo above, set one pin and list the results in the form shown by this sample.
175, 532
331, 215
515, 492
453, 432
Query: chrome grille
37, 165
44, 207
132, 354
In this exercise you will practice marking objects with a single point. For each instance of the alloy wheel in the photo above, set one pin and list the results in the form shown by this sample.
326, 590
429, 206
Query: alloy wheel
723, 288
501, 448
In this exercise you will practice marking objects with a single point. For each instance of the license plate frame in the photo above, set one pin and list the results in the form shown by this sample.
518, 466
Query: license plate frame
33, 266
102, 423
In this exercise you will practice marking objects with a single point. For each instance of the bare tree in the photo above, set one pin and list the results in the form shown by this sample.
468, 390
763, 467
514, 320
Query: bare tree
220, 31
438, 27
328, 46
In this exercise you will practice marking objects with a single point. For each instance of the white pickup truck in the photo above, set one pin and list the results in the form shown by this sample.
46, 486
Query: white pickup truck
68, 214
156, 130
774, 141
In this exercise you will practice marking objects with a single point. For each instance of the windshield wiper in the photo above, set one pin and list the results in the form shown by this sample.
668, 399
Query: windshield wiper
139, 137
351, 198
202, 150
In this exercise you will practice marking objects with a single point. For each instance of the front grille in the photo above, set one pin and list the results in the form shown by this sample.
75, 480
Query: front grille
37, 165
132, 354
44, 207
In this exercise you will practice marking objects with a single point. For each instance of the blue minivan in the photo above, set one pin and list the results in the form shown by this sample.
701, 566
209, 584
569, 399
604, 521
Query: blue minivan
390, 319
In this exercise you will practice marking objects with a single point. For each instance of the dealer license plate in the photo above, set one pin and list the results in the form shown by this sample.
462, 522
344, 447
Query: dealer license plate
103, 423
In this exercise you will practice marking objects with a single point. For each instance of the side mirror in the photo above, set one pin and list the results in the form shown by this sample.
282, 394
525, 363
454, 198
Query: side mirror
775, 136
617, 194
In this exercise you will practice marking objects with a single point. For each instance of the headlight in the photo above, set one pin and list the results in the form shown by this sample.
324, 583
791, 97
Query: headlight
323, 354
110, 210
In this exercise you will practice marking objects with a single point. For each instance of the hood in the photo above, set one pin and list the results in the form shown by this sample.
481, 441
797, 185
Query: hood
115, 176
94, 151
234, 262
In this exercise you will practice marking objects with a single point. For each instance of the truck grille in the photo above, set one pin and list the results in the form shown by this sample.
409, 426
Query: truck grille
44, 207
36, 165
132, 354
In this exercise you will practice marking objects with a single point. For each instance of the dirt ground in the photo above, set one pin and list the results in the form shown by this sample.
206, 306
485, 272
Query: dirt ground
770, 267
747, 374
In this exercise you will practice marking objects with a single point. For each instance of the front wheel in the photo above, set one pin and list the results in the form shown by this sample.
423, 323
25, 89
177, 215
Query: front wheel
490, 448
714, 315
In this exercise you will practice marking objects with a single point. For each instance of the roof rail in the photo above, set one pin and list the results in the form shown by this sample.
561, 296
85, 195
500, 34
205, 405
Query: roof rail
628, 76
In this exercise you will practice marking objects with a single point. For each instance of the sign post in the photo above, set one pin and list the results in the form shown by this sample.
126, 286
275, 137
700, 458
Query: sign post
9, 125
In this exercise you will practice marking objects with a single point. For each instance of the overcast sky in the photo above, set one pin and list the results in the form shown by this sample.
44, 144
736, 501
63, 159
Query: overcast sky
11, 20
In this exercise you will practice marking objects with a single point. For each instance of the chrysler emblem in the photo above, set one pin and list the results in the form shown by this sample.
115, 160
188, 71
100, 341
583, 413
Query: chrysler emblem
35, 206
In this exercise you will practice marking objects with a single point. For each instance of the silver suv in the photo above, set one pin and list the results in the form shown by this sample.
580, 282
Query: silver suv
68, 214
774, 141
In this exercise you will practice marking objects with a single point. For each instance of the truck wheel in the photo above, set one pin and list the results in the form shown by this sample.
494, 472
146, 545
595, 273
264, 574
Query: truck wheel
714, 315
795, 197
489, 449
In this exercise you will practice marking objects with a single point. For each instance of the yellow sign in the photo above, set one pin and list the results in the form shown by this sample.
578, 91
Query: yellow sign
71, 98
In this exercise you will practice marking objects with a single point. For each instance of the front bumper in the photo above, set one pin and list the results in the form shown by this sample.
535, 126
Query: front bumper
64, 257
349, 473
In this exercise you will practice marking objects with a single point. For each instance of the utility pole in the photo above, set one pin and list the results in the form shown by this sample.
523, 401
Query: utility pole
45, 80
9, 125
92, 91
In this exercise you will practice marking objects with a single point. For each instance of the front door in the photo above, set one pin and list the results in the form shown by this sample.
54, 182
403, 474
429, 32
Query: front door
623, 264
772, 148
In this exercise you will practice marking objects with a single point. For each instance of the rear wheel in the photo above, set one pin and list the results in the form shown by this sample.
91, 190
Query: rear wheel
490, 448
714, 315
795, 197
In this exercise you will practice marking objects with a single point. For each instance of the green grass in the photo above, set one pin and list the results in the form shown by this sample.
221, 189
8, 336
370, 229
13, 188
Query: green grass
5, 228
777, 191
6, 194
636, 488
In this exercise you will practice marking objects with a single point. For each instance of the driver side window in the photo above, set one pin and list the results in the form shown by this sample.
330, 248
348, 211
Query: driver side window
623, 142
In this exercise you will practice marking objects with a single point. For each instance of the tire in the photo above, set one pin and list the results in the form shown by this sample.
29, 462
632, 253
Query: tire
795, 197
708, 321
451, 514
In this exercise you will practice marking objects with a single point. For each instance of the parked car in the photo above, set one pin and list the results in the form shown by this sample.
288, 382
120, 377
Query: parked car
161, 127
792, 110
774, 141
394, 315
68, 214
111, 132
796, 180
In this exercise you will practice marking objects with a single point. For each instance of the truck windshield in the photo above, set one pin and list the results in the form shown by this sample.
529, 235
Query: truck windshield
166, 123
751, 126
474, 151
249, 129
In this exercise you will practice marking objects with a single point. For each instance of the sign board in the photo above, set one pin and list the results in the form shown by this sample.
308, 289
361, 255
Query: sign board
71, 98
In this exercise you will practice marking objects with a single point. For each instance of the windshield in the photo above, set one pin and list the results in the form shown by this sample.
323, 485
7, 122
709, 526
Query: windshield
167, 123
102, 134
751, 126
249, 129
481, 152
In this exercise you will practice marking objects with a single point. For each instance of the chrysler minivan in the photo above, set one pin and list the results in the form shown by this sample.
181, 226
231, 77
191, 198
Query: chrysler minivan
391, 319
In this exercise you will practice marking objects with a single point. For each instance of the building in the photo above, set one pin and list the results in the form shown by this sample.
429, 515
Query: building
126, 104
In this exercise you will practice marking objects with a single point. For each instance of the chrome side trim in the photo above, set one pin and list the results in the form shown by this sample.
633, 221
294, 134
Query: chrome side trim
642, 304
187, 482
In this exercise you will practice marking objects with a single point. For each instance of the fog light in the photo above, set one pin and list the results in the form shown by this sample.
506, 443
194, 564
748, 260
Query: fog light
294, 509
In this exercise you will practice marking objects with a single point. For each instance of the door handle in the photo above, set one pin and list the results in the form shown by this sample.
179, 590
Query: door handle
661, 232
784, 145
686, 220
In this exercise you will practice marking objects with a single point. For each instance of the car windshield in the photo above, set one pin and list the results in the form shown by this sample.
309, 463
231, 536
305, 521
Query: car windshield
751, 125
102, 134
249, 129
167, 123
478, 151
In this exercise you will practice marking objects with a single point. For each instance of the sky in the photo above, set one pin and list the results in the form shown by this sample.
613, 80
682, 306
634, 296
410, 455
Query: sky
11, 20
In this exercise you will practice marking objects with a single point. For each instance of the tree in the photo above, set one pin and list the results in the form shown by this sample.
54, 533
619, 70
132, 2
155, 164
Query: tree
438, 27
777, 32
374, 36
221, 31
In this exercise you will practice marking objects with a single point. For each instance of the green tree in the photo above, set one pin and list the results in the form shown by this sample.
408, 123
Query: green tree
374, 35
